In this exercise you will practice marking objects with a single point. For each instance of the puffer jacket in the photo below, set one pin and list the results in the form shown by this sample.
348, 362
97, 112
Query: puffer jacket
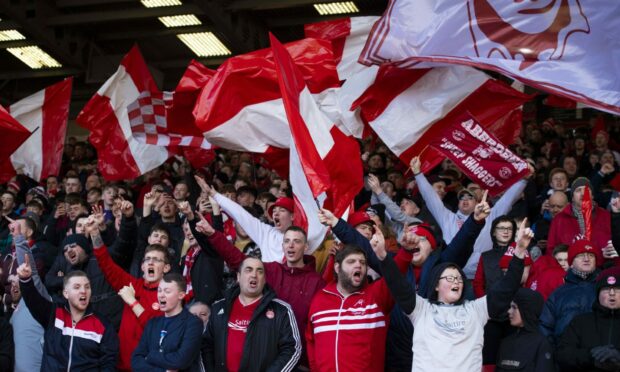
575, 297
586, 331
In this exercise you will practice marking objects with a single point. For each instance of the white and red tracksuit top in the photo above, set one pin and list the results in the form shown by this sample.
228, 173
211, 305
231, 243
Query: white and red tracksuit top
348, 333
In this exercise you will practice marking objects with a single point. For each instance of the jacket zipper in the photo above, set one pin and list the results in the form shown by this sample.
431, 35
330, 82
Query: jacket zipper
73, 324
338, 330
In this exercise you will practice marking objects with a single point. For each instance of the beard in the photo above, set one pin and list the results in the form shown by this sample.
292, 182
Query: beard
346, 282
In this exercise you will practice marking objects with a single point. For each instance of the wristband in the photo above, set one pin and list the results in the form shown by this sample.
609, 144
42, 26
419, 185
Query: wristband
135, 303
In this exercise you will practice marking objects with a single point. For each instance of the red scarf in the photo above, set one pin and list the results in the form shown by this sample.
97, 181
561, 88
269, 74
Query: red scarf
190, 258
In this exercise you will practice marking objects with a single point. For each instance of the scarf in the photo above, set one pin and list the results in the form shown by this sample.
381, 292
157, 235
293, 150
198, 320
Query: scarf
190, 258
582, 274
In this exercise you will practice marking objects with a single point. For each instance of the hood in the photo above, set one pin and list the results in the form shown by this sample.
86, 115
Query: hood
496, 221
309, 265
530, 305
431, 293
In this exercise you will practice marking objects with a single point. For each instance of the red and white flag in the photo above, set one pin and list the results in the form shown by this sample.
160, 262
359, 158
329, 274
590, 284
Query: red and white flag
484, 158
45, 114
564, 47
120, 155
348, 37
14, 134
406, 107
319, 172
165, 118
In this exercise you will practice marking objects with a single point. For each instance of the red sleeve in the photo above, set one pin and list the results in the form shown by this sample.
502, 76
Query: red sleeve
231, 255
380, 289
114, 274
479, 280
328, 270
147, 315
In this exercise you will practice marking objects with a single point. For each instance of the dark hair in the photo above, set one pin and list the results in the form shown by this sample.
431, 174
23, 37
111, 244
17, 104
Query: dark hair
158, 248
247, 190
29, 223
73, 274
10, 193
176, 278
228, 188
297, 229
248, 258
347, 251
73, 198
503, 218
160, 227
267, 195
560, 248
95, 189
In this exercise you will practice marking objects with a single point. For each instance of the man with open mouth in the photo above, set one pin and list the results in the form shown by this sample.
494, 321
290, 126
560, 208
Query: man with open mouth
590, 341
76, 337
250, 329
172, 341
138, 294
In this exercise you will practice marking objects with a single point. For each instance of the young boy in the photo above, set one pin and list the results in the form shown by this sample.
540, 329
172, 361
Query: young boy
75, 337
139, 294
172, 341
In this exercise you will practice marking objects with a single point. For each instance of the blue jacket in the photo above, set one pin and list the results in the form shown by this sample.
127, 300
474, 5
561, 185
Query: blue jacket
179, 349
400, 332
89, 345
574, 297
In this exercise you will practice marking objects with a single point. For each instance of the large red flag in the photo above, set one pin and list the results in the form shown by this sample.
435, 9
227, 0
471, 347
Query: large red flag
14, 135
120, 155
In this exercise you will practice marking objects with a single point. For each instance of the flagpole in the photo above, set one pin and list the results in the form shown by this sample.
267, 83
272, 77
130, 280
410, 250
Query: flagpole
419, 155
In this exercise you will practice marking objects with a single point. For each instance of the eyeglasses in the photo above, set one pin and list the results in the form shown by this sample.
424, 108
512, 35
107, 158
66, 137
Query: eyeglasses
152, 259
502, 228
466, 197
608, 290
452, 279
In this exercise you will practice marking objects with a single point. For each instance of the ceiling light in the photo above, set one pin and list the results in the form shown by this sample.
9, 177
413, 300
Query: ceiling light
336, 8
180, 20
34, 57
160, 3
204, 44
8, 35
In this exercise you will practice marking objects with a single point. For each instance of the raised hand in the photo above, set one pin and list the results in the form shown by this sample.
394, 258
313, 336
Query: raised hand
327, 218
24, 271
615, 204
609, 251
607, 168
127, 208
482, 209
410, 240
204, 186
215, 206
61, 210
415, 164
149, 199
14, 227
128, 294
374, 184
204, 227
377, 242
524, 237
186, 209
98, 215
91, 226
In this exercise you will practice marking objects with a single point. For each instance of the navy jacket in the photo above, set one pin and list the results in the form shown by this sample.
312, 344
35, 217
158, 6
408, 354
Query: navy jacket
89, 345
573, 298
179, 349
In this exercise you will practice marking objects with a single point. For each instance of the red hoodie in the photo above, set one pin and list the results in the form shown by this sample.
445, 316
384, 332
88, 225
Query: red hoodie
146, 294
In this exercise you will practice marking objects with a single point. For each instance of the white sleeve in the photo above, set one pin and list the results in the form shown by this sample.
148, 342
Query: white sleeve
421, 305
268, 238
481, 309
505, 203
442, 215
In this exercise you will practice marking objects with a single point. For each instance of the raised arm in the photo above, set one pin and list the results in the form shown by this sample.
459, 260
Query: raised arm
229, 253
21, 251
396, 214
499, 296
40, 307
442, 215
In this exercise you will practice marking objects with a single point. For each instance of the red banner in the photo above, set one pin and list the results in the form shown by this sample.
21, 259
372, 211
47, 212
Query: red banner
480, 154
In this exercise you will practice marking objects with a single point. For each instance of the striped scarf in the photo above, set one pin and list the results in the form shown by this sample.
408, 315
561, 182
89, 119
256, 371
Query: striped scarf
190, 258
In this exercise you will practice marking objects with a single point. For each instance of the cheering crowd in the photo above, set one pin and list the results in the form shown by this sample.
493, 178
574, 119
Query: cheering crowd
204, 269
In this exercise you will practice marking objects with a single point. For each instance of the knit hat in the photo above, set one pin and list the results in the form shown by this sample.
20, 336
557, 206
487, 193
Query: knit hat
424, 230
286, 203
377, 210
579, 247
581, 181
358, 218
507, 257
77, 239
608, 278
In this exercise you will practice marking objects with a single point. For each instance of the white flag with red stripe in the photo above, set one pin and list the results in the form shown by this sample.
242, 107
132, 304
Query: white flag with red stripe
319, 172
568, 48
120, 155
403, 106
348, 37
45, 115
165, 118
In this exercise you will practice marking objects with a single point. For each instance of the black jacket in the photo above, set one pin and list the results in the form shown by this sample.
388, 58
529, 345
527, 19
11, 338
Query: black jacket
586, 331
178, 350
272, 341
89, 345
7, 348
207, 271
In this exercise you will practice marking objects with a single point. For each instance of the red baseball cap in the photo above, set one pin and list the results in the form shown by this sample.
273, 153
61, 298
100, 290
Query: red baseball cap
357, 218
286, 203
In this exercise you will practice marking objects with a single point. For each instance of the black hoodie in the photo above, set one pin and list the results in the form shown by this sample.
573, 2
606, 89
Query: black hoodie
526, 349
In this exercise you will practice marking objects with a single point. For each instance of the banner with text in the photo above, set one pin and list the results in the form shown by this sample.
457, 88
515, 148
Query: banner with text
480, 155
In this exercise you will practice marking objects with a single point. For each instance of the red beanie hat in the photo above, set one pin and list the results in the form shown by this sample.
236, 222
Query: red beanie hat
424, 230
579, 247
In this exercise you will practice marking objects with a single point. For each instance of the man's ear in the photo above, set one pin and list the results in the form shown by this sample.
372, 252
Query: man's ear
166, 268
337, 267
65, 294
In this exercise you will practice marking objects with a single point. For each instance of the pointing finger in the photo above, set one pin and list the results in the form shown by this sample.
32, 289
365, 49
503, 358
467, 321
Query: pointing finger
484, 196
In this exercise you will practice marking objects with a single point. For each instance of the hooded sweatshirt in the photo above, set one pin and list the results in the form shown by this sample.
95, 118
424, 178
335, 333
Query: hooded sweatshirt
526, 349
